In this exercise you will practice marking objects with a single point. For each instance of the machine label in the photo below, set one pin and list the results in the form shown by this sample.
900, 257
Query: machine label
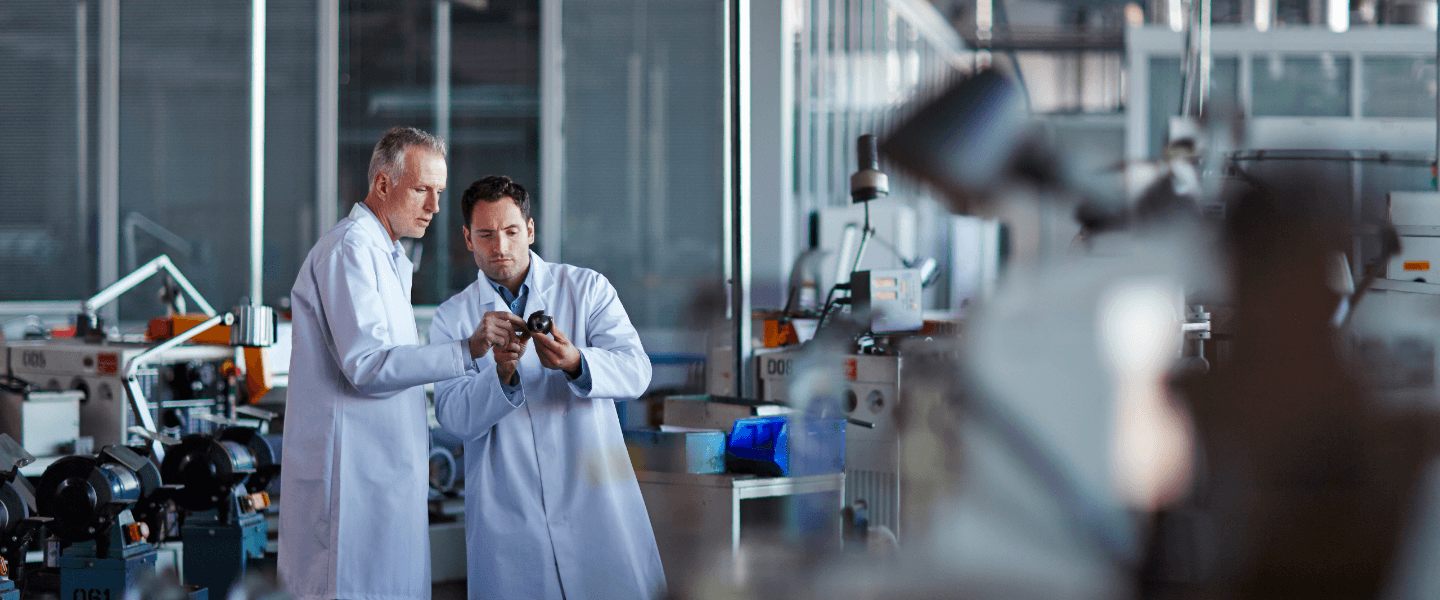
33, 359
1417, 265
91, 594
779, 367
109, 363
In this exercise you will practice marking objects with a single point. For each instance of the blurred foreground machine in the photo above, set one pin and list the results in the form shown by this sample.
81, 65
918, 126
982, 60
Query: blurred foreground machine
102, 548
17, 525
221, 479
121, 392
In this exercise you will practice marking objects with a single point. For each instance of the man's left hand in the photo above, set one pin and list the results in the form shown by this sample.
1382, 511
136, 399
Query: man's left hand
556, 352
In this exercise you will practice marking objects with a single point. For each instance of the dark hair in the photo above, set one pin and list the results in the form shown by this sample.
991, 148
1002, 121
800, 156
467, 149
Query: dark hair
492, 188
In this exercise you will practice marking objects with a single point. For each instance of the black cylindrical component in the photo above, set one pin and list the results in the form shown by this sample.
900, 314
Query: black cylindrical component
539, 322
865, 151
81, 492
868, 183
208, 468
12, 509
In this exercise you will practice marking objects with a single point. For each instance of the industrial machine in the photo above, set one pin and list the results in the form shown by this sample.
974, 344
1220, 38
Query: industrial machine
221, 480
133, 391
17, 527
872, 454
1418, 223
92, 502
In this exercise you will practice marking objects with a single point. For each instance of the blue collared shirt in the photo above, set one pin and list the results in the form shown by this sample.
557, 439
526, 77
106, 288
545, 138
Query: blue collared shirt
516, 302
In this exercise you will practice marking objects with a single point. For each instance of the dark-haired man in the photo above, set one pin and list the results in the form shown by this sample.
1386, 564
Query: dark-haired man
551, 503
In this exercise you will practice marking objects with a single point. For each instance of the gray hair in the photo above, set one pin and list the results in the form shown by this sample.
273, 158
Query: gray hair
389, 155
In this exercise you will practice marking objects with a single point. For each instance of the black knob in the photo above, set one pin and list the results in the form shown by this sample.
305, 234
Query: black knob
865, 151
539, 322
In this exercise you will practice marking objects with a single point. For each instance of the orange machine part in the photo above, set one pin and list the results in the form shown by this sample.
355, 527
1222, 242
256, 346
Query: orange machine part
779, 333
135, 532
257, 501
258, 377
164, 328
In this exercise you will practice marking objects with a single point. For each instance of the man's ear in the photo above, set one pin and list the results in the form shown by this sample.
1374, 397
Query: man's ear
465, 233
382, 184
530, 229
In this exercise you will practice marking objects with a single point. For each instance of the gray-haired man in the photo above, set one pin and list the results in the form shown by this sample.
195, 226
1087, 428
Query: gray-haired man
354, 472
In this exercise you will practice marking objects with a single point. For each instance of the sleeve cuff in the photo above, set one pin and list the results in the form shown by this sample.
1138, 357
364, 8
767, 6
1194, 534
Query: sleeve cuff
582, 382
512, 392
468, 366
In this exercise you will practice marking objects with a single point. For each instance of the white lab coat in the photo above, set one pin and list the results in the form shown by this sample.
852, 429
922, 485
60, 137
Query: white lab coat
354, 471
551, 501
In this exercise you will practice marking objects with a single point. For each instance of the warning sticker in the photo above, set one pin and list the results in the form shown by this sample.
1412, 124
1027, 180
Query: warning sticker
1417, 265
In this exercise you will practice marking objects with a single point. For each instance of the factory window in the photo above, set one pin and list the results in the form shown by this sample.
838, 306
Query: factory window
1398, 86
47, 249
389, 77
1301, 86
644, 126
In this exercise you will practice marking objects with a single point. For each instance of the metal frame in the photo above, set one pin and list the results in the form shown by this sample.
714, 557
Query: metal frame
327, 119
442, 129
108, 201
552, 133
1354, 132
737, 184
159, 263
1244, 43
257, 151
138, 403
82, 119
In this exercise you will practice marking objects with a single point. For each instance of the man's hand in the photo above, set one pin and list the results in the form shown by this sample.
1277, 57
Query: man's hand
556, 352
496, 330
507, 359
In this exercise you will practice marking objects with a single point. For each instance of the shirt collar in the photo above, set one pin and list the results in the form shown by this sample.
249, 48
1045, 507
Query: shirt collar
504, 291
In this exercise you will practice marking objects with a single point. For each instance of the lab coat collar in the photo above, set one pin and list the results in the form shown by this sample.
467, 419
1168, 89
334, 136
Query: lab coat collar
369, 223
538, 280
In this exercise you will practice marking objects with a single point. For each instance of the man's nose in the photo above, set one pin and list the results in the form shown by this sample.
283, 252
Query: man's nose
432, 202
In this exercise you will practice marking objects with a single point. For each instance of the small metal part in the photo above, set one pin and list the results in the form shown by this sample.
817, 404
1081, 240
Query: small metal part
539, 322
255, 326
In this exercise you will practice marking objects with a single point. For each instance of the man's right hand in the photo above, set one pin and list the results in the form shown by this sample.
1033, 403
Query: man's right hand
497, 329
507, 359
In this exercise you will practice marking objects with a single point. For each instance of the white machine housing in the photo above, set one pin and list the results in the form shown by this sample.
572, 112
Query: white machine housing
97, 370
1416, 216
872, 456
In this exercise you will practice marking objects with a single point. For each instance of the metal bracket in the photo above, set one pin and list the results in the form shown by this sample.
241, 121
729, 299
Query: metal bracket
138, 403
129, 282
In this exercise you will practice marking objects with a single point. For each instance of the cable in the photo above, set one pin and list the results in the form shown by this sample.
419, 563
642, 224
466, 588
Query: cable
864, 237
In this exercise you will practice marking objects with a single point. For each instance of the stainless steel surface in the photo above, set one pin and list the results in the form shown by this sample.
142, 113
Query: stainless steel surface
690, 512
254, 326
737, 171
257, 152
